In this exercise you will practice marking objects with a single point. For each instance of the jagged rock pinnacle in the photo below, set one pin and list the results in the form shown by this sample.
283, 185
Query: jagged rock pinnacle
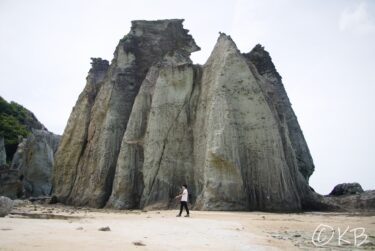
155, 121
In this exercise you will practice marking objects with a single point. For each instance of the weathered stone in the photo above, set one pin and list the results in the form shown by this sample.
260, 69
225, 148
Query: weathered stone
10, 184
364, 201
237, 139
157, 148
294, 143
346, 188
86, 159
75, 137
33, 162
104, 229
6, 206
157, 121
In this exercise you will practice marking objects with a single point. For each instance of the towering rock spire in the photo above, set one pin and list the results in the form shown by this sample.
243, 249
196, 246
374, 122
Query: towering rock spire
155, 121
86, 159
275, 90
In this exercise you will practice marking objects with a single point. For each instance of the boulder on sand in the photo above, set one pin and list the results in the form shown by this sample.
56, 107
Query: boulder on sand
6, 206
346, 189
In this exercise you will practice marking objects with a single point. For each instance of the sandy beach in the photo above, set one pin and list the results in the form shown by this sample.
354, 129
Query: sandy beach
57, 227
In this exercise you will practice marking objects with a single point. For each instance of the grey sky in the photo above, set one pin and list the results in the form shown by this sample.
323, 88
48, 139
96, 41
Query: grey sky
324, 51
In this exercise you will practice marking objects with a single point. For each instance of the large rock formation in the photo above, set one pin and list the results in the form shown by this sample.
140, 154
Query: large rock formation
151, 121
33, 162
86, 159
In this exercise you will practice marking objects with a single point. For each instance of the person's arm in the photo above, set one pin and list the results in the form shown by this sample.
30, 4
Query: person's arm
178, 196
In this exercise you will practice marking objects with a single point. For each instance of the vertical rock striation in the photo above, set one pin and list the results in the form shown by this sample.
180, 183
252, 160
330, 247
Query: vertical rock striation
156, 150
152, 121
87, 180
34, 161
76, 135
275, 91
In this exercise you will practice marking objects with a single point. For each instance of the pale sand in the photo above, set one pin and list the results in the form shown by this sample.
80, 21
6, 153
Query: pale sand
161, 230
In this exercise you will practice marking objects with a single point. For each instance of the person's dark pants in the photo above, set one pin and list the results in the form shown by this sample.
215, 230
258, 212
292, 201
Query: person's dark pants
184, 205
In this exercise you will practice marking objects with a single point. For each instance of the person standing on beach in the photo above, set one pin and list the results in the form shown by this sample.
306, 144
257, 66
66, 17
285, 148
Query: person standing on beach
183, 202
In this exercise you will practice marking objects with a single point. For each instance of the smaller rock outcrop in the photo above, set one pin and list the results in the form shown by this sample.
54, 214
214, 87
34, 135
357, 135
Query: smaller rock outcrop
10, 184
33, 162
351, 197
6, 205
346, 189
363, 202
16, 122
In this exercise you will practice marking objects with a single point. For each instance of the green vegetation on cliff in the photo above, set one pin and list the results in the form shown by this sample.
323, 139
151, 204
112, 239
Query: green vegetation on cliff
16, 122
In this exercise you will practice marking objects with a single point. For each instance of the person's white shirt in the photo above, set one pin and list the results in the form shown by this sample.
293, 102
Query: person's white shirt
184, 196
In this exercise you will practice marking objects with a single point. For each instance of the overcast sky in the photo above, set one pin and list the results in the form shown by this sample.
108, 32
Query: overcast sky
324, 50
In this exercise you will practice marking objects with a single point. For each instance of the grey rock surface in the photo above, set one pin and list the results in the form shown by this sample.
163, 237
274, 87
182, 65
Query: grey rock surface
346, 189
294, 143
86, 159
34, 160
155, 121
10, 184
6, 206
364, 201
238, 140
156, 151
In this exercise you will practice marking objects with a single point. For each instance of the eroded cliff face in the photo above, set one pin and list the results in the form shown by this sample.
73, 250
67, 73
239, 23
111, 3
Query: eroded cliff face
152, 121
290, 130
86, 179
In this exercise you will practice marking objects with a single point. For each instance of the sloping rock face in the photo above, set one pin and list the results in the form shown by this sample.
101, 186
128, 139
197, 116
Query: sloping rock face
238, 139
155, 121
277, 98
34, 160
